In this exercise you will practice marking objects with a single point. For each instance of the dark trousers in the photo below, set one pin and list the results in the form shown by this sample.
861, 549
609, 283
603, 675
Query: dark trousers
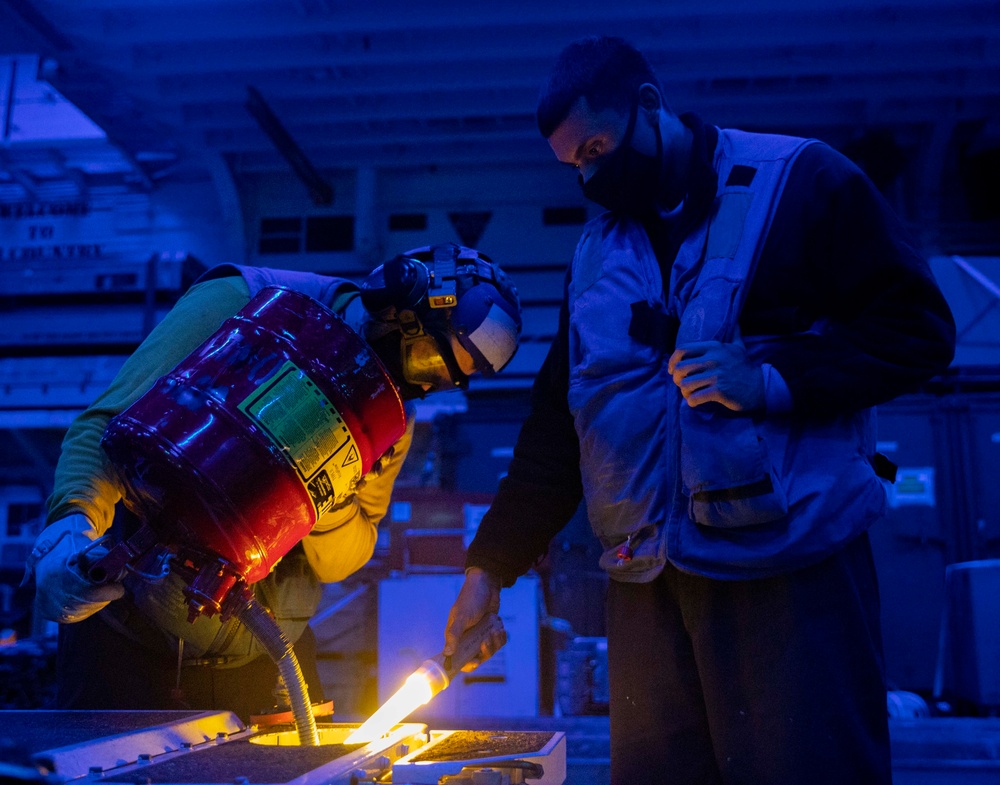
776, 681
99, 668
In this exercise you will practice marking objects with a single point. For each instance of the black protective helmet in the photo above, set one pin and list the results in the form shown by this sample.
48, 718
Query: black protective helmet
439, 292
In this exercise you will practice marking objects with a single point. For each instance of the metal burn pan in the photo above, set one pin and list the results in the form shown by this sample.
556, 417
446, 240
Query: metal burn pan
75, 744
215, 748
206, 748
536, 755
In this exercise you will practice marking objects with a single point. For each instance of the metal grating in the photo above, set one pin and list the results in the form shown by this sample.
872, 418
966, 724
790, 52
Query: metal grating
259, 763
35, 731
470, 745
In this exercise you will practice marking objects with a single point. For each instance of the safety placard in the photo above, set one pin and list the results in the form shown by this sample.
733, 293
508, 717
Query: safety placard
310, 433
914, 486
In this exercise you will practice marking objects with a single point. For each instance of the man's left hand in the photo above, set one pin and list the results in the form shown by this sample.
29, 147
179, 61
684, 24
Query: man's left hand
710, 371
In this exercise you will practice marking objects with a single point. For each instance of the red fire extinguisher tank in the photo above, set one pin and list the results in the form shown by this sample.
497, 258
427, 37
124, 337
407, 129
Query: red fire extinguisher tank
268, 424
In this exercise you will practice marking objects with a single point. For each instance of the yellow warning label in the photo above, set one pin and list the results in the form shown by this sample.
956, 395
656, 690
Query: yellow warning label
297, 416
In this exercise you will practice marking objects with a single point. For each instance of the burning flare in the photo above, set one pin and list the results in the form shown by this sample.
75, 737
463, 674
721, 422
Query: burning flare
429, 679
420, 686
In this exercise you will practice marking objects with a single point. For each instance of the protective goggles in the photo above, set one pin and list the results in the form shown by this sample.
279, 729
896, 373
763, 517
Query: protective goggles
429, 364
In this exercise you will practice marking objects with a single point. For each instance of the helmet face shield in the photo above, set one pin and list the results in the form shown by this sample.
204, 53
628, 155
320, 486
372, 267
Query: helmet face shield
487, 327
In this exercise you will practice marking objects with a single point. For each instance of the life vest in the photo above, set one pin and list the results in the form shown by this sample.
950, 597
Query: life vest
717, 493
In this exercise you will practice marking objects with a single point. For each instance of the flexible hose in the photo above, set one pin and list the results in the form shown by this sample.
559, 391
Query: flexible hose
267, 631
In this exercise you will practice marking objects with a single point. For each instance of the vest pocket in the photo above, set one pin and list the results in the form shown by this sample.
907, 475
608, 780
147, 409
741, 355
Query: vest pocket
729, 510
726, 472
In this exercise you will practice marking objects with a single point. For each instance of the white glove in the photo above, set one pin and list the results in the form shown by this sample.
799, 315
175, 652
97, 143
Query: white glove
62, 592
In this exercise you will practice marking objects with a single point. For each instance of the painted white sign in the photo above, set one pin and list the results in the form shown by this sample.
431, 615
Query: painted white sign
33, 231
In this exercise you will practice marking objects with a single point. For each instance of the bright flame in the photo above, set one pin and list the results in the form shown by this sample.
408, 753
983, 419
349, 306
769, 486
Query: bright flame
415, 692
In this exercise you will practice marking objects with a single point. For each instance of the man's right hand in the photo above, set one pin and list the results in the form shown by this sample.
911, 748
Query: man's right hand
63, 593
480, 594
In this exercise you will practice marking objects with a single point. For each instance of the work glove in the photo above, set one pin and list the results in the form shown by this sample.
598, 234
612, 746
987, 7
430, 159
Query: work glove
479, 595
62, 591
377, 470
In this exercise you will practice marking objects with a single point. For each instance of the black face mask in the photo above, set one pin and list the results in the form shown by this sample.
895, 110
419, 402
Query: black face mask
627, 181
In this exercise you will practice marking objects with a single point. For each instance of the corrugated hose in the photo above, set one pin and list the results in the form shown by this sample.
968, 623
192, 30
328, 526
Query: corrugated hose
267, 631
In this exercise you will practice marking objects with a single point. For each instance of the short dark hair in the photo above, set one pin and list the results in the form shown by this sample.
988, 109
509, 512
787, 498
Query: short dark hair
605, 70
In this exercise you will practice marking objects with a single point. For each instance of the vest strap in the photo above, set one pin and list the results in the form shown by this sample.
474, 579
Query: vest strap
653, 328
741, 175
883, 467
759, 488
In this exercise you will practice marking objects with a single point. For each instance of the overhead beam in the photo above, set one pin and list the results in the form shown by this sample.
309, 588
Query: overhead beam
799, 108
817, 37
297, 76
422, 109
353, 22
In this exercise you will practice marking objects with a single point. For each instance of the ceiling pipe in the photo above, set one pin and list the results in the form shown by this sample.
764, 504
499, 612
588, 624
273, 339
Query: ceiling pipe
979, 277
320, 190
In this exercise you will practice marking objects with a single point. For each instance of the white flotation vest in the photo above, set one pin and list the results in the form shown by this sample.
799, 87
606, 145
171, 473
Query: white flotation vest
714, 492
